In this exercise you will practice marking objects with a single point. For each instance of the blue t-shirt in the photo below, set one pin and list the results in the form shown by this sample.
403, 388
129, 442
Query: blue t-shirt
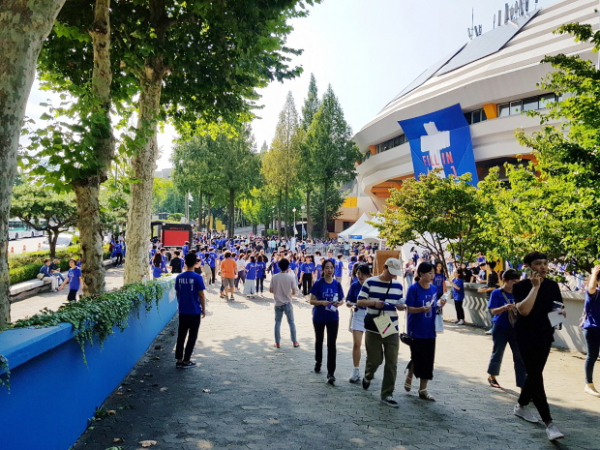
185, 250
458, 294
421, 325
187, 286
307, 268
496, 301
275, 268
157, 271
293, 267
350, 267
592, 310
212, 259
251, 271
353, 294
260, 269
331, 292
339, 268
74, 277
438, 281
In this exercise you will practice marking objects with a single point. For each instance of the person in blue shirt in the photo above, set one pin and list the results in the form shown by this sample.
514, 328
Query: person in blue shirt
422, 304
118, 252
357, 323
326, 296
458, 294
339, 268
189, 288
47, 272
250, 281
440, 280
307, 269
152, 253
351, 265
157, 266
185, 249
501, 301
212, 263
261, 267
73, 279
591, 329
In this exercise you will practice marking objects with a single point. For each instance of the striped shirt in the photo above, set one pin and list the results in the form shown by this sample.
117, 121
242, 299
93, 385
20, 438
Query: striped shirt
375, 289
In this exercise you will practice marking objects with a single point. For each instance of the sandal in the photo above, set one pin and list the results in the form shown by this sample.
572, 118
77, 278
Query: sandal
407, 385
493, 382
423, 394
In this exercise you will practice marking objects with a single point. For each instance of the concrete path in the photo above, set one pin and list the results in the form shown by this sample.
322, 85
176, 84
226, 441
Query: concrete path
245, 394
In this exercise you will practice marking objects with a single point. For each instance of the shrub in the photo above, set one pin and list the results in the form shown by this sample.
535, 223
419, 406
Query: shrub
24, 273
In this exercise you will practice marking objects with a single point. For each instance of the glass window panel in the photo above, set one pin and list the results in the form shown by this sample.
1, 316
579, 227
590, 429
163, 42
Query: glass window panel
483, 115
469, 119
476, 116
546, 99
516, 108
530, 104
504, 110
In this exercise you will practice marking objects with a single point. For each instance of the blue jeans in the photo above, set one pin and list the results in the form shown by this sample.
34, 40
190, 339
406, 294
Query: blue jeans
592, 338
501, 337
289, 313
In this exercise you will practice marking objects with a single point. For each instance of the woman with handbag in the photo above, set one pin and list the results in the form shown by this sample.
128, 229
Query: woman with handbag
422, 304
502, 306
357, 323
326, 296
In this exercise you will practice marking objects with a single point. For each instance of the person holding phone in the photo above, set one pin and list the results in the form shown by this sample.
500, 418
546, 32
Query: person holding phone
535, 297
326, 296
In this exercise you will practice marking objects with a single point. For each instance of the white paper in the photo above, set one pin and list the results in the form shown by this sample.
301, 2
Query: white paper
555, 318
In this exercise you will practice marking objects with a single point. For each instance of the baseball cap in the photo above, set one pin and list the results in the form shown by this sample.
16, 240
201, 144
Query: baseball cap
394, 266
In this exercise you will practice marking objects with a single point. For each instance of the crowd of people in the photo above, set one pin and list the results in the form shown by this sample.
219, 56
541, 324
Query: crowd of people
520, 307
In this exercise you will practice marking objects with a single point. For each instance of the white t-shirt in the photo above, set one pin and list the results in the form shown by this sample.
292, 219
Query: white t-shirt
283, 286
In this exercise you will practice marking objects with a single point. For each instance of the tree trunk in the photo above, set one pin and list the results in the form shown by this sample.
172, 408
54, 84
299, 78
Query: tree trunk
308, 219
287, 211
90, 237
200, 211
279, 214
52, 239
87, 191
325, 233
24, 25
143, 165
231, 212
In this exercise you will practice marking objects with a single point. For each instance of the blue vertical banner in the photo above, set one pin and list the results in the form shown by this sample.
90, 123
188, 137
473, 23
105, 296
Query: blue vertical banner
441, 139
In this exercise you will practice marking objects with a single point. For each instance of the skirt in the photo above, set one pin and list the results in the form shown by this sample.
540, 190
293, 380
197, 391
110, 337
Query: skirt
358, 320
422, 355
249, 287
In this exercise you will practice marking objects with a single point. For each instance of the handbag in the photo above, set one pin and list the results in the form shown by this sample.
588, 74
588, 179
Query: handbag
513, 314
40, 276
406, 338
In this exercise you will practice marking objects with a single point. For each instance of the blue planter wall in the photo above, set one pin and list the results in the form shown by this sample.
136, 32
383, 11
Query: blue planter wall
52, 392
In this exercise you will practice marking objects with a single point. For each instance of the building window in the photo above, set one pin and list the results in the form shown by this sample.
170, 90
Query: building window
504, 110
531, 104
516, 107
547, 99
394, 142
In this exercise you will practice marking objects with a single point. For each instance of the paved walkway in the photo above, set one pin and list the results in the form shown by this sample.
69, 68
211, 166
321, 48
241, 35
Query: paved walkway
245, 394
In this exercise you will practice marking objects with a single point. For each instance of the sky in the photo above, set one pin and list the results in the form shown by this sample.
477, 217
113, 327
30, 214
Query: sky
368, 50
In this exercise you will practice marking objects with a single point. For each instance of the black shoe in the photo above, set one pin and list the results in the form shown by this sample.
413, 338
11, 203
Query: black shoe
179, 365
366, 383
331, 379
317, 368
188, 365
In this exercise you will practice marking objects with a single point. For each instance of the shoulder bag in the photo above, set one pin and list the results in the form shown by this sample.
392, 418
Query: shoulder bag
513, 314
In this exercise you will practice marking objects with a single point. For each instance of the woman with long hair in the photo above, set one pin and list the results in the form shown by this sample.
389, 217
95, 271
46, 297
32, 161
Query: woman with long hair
422, 303
157, 265
307, 270
326, 296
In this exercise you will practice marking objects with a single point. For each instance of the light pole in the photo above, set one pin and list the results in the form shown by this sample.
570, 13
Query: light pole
302, 219
294, 211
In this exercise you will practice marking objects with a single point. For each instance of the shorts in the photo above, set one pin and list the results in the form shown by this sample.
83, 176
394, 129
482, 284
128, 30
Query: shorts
228, 282
358, 320
72, 297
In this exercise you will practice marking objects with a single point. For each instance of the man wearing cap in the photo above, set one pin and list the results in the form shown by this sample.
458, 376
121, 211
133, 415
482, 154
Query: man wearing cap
382, 295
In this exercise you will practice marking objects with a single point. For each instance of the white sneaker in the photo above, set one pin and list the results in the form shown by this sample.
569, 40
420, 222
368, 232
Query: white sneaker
389, 401
525, 413
553, 433
355, 378
460, 322
590, 389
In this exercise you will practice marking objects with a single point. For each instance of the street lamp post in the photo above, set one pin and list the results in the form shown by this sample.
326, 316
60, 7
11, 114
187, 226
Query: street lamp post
294, 211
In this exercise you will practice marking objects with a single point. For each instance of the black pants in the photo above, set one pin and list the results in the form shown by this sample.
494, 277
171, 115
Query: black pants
534, 355
260, 285
119, 260
188, 326
306, 283
460, 312
212, 269
332, 332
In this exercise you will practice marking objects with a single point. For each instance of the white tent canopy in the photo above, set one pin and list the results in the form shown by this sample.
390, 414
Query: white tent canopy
361, 230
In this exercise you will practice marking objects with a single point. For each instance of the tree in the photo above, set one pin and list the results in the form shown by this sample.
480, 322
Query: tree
438, 214
567, 154
305, 175
24, 25
332, 150
280, 164
44, 210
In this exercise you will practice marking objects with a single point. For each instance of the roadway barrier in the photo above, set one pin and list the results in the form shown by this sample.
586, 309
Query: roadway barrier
52, 392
